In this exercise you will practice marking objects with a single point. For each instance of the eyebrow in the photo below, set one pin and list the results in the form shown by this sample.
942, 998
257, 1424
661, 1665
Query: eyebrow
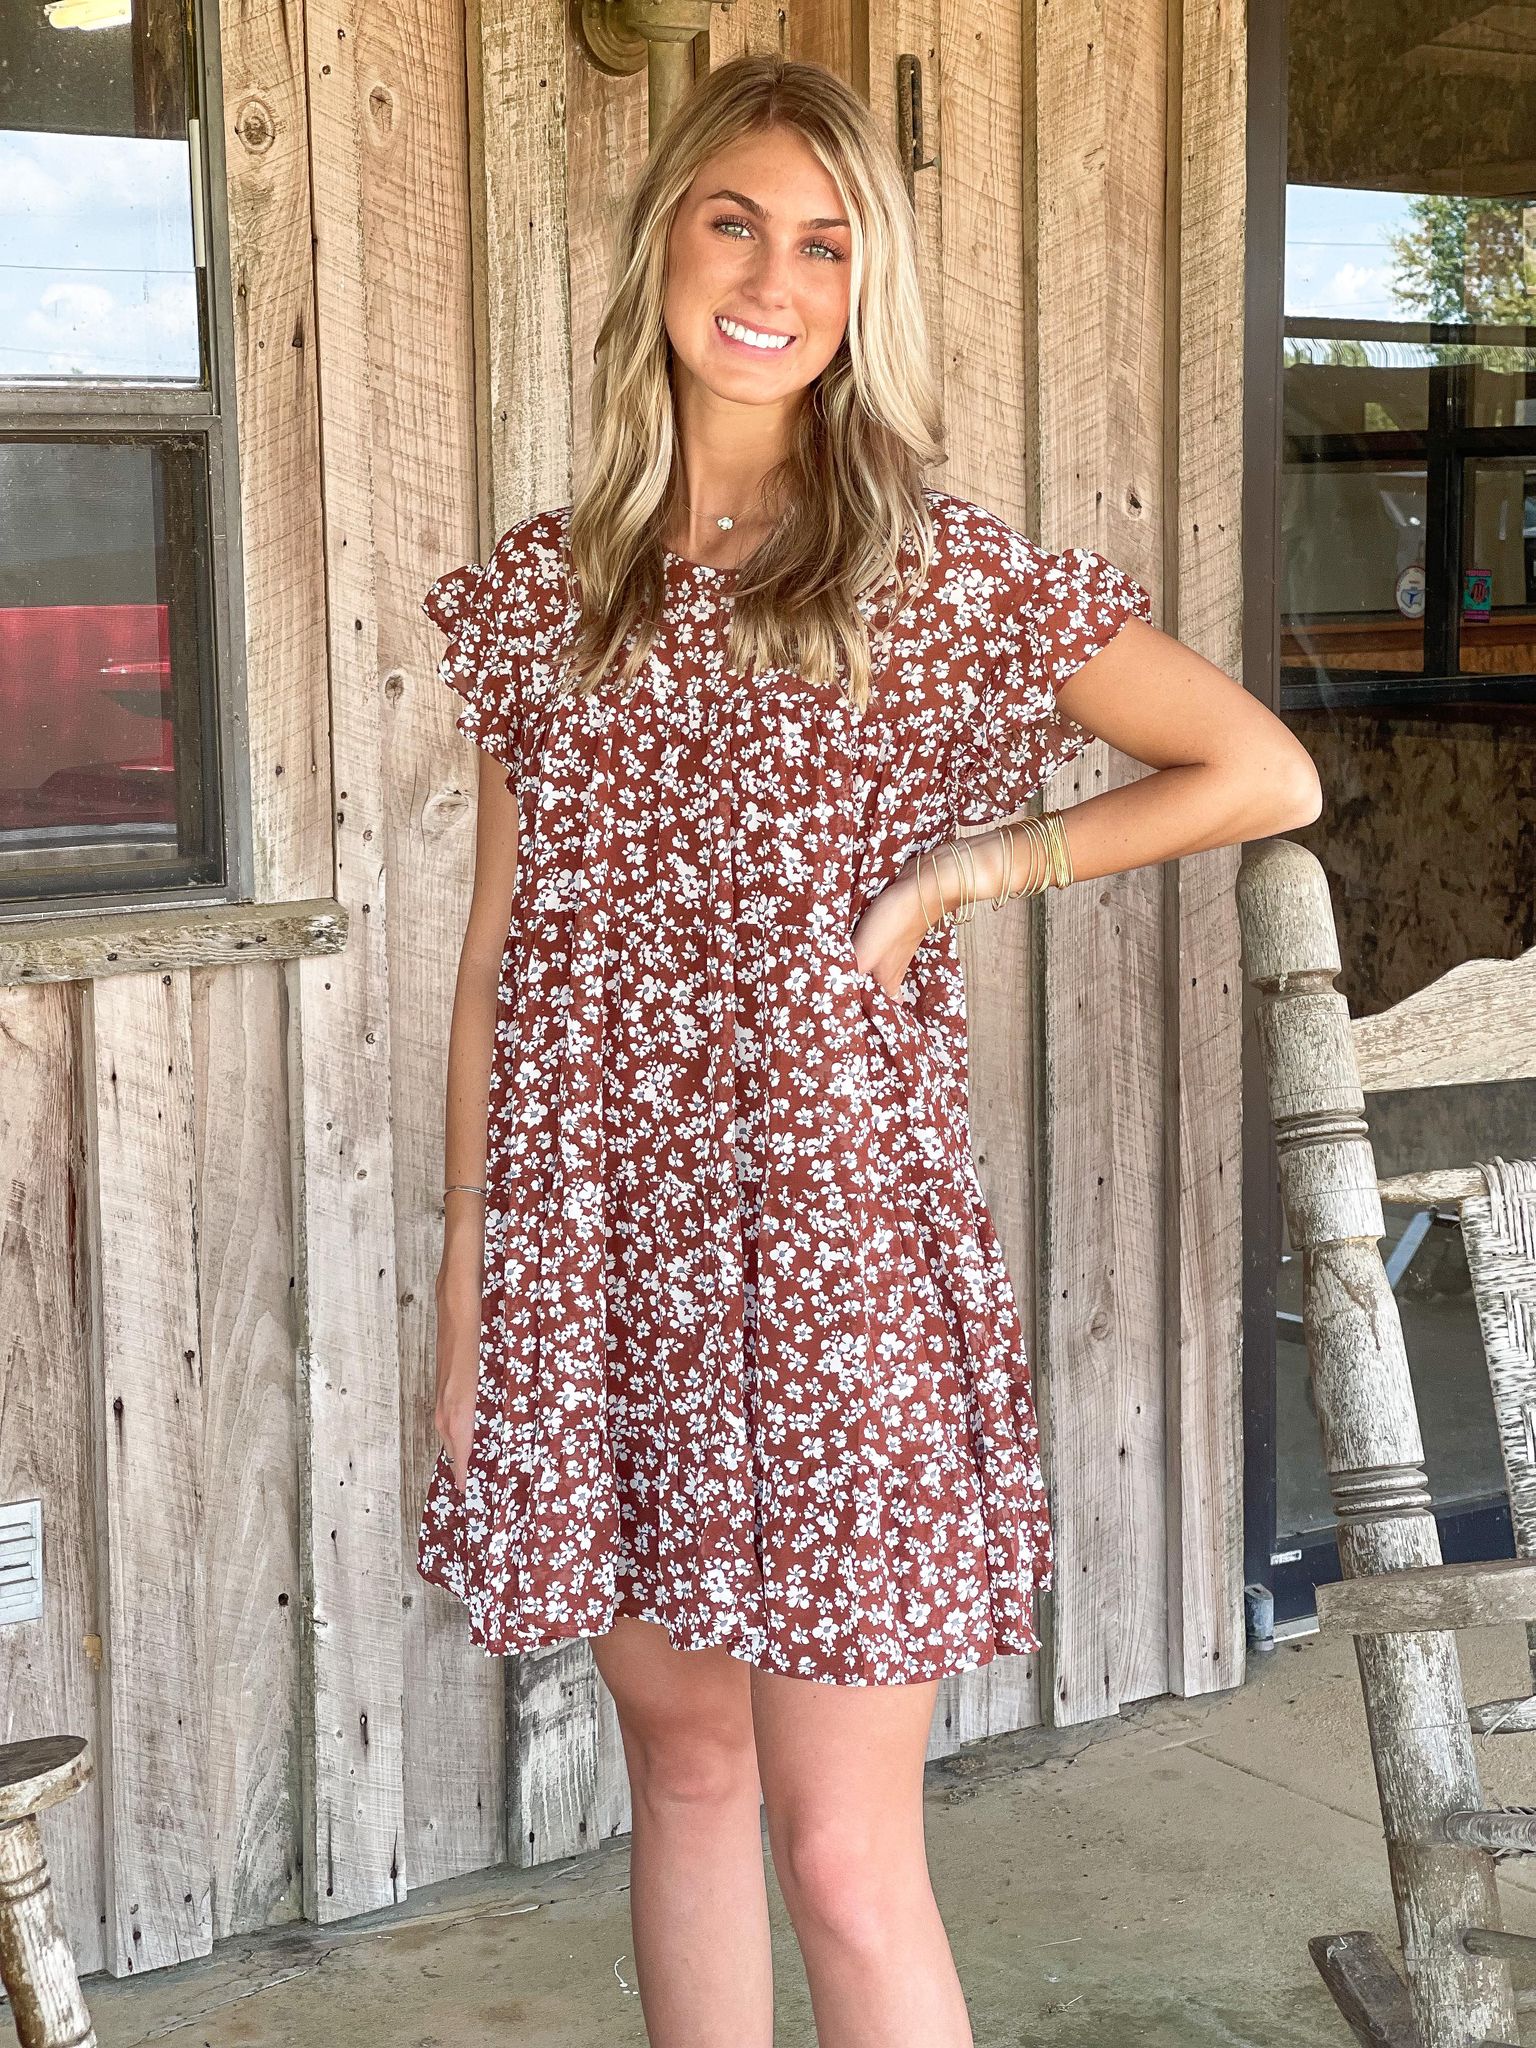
751, 205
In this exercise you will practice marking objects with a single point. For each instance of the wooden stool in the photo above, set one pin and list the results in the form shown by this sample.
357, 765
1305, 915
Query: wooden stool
36, 1965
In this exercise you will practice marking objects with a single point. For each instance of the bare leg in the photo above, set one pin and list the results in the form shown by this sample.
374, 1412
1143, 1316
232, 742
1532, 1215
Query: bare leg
698, 1893
842, 1773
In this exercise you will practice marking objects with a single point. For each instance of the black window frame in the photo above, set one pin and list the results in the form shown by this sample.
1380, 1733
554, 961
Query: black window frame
203, 416
1444, 447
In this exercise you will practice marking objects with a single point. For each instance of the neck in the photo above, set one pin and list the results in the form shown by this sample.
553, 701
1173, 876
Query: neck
725, 454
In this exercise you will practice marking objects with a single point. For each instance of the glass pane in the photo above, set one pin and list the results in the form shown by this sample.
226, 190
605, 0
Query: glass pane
1408, 613
1408, 544
106, 769
98, 265
1352, 579
1498, 604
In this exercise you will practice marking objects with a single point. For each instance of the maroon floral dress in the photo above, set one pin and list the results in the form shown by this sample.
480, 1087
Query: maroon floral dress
751, 1365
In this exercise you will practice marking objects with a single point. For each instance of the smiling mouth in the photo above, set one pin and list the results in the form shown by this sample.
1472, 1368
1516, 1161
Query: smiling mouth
752, 337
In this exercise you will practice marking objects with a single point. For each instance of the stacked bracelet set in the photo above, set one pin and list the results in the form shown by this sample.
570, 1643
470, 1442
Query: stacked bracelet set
1048, 865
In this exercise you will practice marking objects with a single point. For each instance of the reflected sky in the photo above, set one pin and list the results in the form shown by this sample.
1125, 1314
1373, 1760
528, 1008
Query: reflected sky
1338, 258
96, 262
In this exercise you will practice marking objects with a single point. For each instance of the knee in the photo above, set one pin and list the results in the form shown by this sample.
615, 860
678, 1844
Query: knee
693, 1774
837, 1883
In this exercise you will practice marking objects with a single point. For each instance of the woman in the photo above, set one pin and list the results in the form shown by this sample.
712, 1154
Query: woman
731, 1377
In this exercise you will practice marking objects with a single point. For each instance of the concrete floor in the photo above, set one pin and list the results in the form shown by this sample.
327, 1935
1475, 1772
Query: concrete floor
1147, 1883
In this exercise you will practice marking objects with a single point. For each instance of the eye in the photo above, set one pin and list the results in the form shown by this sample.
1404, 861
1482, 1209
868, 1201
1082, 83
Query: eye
824, 251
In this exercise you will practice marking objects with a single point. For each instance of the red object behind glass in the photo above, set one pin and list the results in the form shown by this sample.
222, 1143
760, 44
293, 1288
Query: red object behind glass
85, 716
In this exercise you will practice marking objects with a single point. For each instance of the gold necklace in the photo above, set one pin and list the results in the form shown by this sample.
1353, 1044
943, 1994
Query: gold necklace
724, 520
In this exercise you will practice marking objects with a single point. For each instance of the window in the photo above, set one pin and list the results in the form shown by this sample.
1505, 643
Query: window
119, 671
1410, 489
1406, 631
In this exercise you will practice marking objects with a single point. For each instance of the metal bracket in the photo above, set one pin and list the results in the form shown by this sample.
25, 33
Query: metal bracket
669, 39
909, 116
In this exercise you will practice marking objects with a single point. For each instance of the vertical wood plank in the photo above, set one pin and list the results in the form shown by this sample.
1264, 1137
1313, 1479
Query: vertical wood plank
565, 1783
352, 1754
48, 1668
282, 544
524, 261
1207, 111
834, 33
247, 1328
749, 25
983, 297
1099, 78
911, 28
152, 1753
425, 518
607, 141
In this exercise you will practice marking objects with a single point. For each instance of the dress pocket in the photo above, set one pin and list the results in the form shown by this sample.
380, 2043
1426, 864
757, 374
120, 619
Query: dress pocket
880, 992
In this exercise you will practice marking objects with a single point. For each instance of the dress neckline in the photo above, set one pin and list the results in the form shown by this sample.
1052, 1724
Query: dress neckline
685, 565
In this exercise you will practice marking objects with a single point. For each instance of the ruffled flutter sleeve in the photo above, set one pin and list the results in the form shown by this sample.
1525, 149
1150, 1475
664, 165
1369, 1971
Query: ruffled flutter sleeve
1046, 615
466, 604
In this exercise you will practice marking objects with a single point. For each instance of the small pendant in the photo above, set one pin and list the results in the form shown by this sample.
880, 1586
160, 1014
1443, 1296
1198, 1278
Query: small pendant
725, 522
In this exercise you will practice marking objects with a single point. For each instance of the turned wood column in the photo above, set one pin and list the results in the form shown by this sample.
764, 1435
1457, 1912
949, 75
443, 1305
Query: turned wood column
1415, 1707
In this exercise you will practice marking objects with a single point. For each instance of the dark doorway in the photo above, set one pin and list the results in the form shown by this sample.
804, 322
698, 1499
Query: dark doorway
1390, 536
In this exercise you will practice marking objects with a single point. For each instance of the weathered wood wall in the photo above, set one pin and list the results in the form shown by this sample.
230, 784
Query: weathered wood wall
222, 1208
1085, 299
222, 1214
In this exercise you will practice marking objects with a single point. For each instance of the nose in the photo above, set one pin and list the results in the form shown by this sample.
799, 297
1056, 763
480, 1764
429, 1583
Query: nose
771, 272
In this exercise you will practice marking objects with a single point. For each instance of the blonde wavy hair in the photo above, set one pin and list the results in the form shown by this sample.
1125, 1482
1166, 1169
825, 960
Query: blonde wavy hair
851, 482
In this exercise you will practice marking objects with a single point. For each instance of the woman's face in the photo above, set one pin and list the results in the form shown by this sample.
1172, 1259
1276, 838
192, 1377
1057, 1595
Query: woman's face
758, 262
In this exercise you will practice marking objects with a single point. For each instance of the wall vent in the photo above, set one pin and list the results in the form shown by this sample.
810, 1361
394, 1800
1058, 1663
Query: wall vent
21, 1561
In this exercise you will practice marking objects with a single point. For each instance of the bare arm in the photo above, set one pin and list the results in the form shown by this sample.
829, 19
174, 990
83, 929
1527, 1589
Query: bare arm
471, 1038
1226, 769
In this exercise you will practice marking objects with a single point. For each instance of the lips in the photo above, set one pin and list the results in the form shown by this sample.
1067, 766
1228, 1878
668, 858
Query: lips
763, 341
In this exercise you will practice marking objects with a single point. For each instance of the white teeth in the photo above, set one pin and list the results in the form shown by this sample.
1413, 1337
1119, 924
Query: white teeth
750, 335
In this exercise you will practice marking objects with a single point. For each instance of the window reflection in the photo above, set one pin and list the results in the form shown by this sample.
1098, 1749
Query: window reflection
1408, 577
103, 639
1408, 620
98, 221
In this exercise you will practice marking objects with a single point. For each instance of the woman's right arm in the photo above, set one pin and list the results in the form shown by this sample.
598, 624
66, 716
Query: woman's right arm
471, 1038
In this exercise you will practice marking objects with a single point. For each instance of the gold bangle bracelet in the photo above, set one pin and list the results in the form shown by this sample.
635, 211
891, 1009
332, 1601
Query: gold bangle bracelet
1047, 865
1005, 887
921, 899
966, 909
1030, 882
938, 883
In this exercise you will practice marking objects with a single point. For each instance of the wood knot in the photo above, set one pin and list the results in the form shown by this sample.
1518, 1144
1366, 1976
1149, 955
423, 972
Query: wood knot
381, 105
444, 810
255, 126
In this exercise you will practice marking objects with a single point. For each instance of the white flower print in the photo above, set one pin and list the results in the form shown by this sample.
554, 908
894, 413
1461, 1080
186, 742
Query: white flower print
751, 1365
